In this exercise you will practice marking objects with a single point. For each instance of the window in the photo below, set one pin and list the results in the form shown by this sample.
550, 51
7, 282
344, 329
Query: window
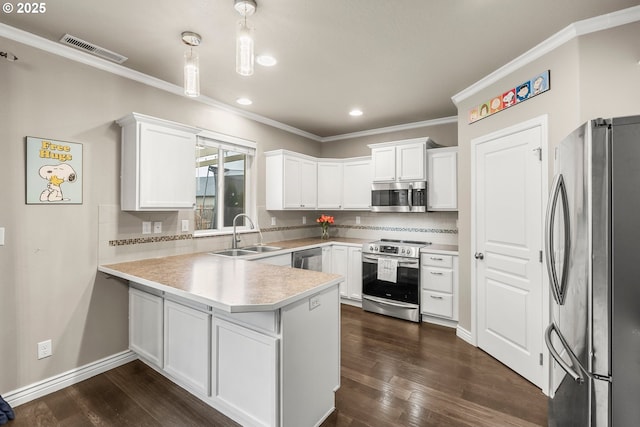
224, 182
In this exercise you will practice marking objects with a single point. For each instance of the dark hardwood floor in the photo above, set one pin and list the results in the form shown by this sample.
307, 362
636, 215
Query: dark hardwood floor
394, 373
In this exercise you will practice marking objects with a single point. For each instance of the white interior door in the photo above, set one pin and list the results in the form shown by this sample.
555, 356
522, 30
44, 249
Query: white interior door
508, 243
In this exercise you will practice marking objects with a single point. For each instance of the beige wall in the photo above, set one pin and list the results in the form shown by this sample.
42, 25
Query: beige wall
593, 76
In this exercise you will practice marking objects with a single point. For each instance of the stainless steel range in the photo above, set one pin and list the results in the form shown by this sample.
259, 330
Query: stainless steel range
391, 278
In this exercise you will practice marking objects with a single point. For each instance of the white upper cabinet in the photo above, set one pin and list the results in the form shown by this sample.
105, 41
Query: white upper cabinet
291, 181
442, 194
399, 160
356, 184
298, 181
330, 185
383, 160
157, 164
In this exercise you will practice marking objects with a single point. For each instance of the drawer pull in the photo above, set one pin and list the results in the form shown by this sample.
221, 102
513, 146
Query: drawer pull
435, 297
436, 273
435, 258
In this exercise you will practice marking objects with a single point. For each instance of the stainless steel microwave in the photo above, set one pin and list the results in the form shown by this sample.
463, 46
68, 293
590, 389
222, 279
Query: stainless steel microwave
399, 196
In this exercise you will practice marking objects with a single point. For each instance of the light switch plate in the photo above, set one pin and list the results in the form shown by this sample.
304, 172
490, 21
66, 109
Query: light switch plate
157, 227
185, 225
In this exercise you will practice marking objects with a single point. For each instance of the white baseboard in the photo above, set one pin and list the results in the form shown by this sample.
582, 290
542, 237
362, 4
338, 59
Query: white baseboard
74, 376
465, 335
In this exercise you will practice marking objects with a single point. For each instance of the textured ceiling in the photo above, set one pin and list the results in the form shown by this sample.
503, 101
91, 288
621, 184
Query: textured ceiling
400, 61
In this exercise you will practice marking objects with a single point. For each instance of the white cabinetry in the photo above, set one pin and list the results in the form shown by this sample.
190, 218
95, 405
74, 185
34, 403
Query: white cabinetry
383, 161
354, 277
145, 325
329, 185
186, 344
245, 371
340, 265
291, 181
157, 164
439, 283
442, 167
356, 184
399, 160
327, 262
347, 261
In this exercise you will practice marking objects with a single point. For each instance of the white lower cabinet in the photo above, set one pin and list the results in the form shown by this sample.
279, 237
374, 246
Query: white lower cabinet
245, 372
264, 368
145, 325
327, 261
354, 276
347, 261
439, 283
340, 265
186, 345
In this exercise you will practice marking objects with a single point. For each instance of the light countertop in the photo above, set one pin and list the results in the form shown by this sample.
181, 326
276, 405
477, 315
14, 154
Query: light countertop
228, 284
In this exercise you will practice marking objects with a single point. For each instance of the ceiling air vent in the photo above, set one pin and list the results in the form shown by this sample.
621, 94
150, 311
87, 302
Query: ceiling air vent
92, 48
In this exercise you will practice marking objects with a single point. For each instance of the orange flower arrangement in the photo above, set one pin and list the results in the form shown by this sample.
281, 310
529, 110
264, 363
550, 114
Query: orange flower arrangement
325, 221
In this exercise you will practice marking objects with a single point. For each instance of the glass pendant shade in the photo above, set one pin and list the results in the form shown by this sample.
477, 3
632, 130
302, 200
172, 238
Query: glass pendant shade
244, 50
191, 73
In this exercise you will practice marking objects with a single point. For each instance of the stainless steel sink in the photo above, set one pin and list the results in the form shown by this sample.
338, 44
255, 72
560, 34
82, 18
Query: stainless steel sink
261, 248
235, 252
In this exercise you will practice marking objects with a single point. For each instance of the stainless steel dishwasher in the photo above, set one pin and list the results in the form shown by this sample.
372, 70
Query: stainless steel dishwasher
308, 259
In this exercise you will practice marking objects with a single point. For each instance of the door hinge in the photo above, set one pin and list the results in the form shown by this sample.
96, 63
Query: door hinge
540, 256
540, 359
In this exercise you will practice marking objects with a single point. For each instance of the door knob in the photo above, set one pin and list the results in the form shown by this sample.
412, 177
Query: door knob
479, 255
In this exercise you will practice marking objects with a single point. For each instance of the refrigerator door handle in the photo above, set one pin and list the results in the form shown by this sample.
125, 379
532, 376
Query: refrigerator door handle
556, 356
558, 193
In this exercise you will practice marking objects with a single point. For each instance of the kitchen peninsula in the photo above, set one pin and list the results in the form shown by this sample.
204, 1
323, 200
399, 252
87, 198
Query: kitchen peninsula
258, 342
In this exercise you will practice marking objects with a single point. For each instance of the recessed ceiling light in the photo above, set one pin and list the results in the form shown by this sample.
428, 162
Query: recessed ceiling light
266, 60
244, 101
355, 112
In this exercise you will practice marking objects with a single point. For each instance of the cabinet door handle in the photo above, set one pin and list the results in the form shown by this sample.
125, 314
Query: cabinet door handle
435, 297
436, 273
435, 258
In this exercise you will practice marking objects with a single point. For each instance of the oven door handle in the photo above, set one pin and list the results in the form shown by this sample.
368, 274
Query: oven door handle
387, 302
401, 261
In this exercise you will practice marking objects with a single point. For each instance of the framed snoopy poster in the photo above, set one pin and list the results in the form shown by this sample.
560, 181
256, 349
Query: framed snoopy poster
54, 172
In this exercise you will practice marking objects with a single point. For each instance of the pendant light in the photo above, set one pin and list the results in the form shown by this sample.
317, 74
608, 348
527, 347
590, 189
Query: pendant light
244, 37
191, 64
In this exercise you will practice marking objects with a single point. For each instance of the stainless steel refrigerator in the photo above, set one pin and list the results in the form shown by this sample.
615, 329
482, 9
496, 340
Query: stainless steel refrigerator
593, 257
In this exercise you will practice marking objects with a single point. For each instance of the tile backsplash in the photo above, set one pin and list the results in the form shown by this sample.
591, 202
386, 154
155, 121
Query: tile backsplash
121, 238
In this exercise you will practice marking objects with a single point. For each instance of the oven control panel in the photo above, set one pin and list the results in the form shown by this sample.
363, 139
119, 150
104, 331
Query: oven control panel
407, 251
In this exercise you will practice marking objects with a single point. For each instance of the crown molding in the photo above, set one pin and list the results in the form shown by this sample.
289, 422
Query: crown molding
577, 29
378, 131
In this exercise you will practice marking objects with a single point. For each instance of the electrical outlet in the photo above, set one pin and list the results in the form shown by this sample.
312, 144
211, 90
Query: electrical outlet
45, 349
185, 225
314, 302
157, 227
146, 227
304, 220
357, 220
273, 220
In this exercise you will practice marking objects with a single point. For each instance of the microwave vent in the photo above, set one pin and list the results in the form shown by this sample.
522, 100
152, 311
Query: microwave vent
91, 48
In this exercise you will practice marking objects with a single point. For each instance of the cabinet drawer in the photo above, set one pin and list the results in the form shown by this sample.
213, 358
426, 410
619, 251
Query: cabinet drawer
437, 304
437, 260
437, 279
